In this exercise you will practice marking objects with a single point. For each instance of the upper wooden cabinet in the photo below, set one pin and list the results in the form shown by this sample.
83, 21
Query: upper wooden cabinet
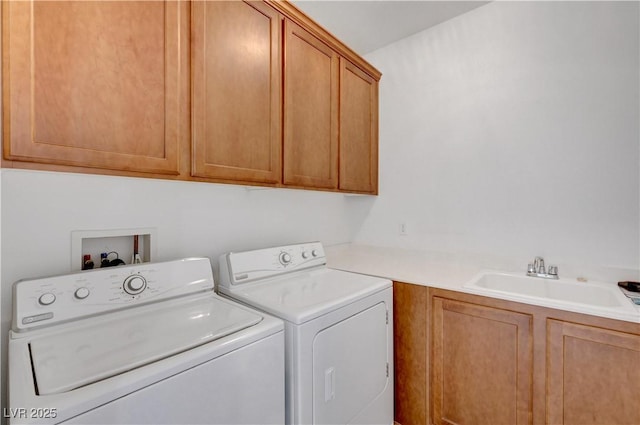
229, 91
94, 84
236, 91
358, 129
311, 73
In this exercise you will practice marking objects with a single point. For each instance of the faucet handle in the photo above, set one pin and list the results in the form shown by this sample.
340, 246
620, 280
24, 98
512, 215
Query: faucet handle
539, 265
531, 268
553, 270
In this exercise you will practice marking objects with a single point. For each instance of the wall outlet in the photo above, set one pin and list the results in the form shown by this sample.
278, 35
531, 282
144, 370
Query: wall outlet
403, 229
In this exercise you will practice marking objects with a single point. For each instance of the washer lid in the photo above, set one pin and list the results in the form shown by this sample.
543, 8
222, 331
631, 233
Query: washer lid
87, 354
304, 296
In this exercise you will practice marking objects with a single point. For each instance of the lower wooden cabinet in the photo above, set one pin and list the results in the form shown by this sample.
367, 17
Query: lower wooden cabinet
593, 375
410, 309
481, 365
466, 359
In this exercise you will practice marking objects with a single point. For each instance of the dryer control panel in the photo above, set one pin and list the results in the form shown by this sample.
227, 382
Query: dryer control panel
45, 301
241, 267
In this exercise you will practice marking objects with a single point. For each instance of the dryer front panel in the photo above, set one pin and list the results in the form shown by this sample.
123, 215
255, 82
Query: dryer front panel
351, 367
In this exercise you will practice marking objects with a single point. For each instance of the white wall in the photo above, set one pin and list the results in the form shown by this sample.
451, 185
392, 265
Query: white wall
512, 130
40, 210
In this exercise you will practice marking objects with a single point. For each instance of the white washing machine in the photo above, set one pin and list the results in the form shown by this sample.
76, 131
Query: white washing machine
338, 331
145, 344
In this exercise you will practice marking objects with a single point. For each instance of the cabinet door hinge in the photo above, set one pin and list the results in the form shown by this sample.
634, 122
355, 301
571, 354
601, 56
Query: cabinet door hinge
387, 317
387, 369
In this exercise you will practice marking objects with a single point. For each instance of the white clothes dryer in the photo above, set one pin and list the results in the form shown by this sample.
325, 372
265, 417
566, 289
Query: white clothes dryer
338, 331
146, 344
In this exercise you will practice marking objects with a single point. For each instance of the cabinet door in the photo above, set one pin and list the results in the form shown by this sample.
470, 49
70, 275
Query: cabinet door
236, 91
358, 129
593, 375
311, 72
482, 364
95, 83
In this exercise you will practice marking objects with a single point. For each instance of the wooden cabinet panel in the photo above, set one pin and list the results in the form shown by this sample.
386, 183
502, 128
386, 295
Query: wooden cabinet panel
593, 375
482, 364
358, 130
410, 353
236, 91
311, 72
244, 91
95, 84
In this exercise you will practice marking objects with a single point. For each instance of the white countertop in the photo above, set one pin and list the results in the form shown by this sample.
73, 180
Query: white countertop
445, 271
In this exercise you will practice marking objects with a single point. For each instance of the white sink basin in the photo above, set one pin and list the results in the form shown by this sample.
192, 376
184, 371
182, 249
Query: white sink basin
560, 293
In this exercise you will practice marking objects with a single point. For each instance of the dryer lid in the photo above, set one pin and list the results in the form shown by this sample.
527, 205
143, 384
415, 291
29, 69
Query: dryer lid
109, 346
300, 297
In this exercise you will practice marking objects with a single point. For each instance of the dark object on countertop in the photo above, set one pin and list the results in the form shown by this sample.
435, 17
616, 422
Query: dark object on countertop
630, 286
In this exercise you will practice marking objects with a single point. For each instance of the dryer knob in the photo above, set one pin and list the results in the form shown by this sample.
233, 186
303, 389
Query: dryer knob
305, 254
285, 258
314, 252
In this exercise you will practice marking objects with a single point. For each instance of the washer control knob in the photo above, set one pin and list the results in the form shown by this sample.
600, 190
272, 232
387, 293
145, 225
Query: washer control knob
314, 252
81, 293
134, 284
47, 299
285, 258
305, 254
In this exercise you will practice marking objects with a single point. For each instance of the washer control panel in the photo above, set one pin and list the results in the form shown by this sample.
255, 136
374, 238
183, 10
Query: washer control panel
240, 267
39, 302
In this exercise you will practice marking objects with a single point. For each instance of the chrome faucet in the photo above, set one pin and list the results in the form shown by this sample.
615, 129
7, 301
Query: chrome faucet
537, 269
